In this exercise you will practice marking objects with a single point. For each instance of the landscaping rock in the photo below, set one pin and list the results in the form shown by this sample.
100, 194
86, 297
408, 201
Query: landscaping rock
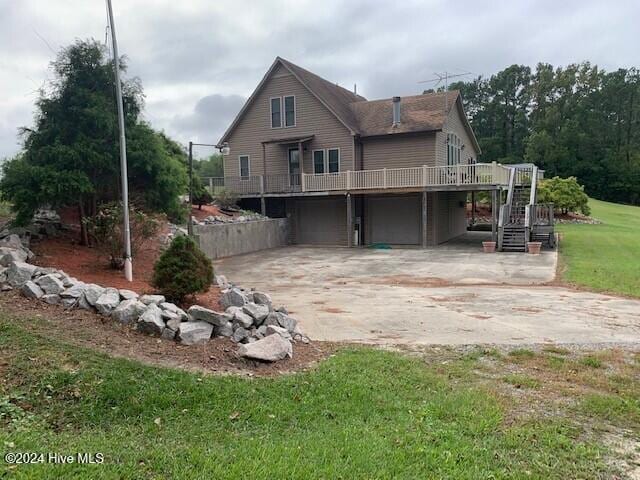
3, 274
20, 273
77, 290
68, 302
9, 255
167, 315
109, 300
151, 320
168, 334
257, 312
127, 294
68, 281
173, 324
191, 333
218, 319
50, 284
269, 349
283, 332
149, 299
272, 319
240, 334
83, 304
172, 307
93, 293
12, 241
225, 330
288, 322
261, 298
31, 290
221, 281
128, 311
243, 319
232, 298
51, 299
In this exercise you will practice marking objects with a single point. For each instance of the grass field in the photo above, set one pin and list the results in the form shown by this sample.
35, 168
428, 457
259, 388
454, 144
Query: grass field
604, 257
363, 413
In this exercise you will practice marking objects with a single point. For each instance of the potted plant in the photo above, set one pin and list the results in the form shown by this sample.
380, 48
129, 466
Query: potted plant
489, 247
534, 247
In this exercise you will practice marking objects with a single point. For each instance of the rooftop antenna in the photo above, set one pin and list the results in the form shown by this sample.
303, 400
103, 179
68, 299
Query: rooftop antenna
128, 268
444, 76
355, 89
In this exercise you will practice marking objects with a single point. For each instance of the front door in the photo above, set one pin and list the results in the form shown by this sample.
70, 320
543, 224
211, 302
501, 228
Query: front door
294, 167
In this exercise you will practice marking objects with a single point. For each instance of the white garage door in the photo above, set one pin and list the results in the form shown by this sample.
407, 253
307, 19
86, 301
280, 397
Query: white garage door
322, 222
394, 220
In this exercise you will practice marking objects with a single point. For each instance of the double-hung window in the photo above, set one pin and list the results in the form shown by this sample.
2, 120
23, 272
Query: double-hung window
326, 161
333, 160
318, 161
290, 111
244, 166
276, 112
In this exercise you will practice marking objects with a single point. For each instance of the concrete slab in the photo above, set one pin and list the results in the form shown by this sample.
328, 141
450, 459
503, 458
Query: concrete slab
444, 295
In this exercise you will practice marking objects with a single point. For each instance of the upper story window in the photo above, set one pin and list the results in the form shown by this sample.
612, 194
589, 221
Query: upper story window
318, 161
244, 166
276, 112
333, 160
290, 111
454, 148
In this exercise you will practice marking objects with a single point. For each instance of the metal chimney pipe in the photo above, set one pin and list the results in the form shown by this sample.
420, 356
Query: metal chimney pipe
396, 111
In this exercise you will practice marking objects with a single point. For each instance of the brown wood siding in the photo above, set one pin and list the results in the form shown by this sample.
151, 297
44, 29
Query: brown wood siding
455, 124
312, 118
399, 151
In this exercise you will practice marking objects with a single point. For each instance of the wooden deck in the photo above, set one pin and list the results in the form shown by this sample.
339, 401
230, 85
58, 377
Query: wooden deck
478, 176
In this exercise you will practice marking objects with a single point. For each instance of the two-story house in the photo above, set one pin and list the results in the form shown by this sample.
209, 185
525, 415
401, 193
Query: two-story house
348, 171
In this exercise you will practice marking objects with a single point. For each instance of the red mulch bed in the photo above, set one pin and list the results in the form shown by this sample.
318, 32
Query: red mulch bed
86, 264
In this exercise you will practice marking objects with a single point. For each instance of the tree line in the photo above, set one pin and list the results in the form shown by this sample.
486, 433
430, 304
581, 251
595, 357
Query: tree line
577, 120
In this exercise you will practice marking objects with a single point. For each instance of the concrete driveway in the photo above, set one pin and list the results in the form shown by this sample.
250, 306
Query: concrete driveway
444, 295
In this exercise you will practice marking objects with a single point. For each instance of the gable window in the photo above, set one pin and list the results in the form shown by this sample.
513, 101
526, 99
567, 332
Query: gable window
318, 161
290, 111
276, 112
333, 155
244, 166
454, 148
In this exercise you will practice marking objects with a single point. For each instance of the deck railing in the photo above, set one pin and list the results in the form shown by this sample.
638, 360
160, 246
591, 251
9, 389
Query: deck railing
479, 174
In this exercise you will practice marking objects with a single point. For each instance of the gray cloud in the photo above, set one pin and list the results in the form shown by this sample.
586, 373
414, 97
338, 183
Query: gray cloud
198, 60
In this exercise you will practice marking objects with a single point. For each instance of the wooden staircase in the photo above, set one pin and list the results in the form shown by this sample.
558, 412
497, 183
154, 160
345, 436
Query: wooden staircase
514, 223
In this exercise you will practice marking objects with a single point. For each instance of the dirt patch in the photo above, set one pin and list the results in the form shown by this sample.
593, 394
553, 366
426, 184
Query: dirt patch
333, 310
409, 281
207, 211
527, 309
86, 329
455, 298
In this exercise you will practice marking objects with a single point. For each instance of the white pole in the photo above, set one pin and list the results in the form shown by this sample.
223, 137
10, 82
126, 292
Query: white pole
128, 267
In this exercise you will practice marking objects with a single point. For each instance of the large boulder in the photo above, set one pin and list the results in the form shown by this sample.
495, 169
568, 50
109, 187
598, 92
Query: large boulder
31, 290
191, 333
287, 322
240, 334
257, 312
93, 293
149, 299
51, 299
151, 320
109, 300
233, 298
262, 298
242, 319
225, 330
50, 284
172, 307
12, 241
20, 273
283, 332
9, 255
127, 294
128, 311
76, 290
269, 349
198, 313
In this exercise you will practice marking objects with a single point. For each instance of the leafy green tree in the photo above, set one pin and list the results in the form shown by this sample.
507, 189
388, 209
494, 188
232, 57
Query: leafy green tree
210, 167
182, 270
201, 195
70, 156
566, 194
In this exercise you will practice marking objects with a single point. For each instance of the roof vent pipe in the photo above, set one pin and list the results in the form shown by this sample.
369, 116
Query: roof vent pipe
396, 111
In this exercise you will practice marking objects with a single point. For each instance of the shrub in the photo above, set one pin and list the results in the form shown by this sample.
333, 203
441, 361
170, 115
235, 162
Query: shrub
105, 231
201, 195
182, 270
566, 194
226, 198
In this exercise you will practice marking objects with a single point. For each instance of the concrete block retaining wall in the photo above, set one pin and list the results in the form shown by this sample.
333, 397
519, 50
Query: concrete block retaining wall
227, 239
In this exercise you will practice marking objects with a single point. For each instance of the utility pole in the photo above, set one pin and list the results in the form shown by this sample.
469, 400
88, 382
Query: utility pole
189, 222
128, 267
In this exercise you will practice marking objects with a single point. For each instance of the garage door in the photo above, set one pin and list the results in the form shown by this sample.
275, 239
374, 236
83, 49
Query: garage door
394, 220
322, 222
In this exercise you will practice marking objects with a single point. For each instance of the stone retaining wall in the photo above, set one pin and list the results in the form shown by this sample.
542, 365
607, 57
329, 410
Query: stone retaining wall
225, 240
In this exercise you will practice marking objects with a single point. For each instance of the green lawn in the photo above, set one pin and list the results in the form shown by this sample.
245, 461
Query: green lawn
604, 257
363, 413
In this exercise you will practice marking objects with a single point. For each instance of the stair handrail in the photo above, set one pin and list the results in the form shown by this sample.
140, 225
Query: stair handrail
534, 186
512, 185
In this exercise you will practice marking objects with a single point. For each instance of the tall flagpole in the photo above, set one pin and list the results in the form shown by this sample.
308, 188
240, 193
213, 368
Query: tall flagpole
128, 267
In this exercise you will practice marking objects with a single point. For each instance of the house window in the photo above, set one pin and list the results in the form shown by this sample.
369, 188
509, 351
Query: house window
276, 113
333, 160
244, 166
454, 148
290, 111
318, 161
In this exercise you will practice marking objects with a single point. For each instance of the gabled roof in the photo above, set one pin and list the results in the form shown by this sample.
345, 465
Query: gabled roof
418, 113
335, 98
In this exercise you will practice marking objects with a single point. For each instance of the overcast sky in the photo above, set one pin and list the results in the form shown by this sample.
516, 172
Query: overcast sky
199, 59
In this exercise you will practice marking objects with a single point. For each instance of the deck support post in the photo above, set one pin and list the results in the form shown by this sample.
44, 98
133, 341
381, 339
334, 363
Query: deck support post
349, 220
473, 208
495, 206
263, 206
424, 219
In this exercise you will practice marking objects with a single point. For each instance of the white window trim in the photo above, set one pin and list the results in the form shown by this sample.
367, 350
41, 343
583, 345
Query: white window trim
324, 160
284, 111
240, 166
271, 112
327, 159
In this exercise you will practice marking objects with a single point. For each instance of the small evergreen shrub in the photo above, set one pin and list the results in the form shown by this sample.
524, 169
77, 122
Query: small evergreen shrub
182, 270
